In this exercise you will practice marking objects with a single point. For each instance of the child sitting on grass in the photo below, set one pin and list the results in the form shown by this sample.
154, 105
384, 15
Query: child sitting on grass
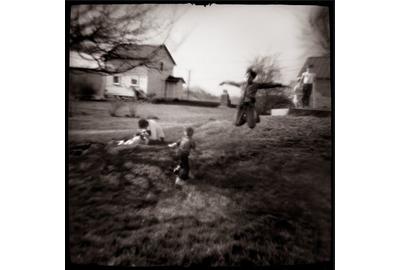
185, 144
142, 136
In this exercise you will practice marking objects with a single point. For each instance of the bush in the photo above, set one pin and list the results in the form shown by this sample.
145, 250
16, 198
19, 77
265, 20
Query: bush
151, 95
87, 92
176, 101
273, 99
117, 104
132, 109
153, 117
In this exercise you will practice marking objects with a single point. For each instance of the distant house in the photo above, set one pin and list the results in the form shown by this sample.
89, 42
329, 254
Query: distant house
152, 74
154, 77
321, 94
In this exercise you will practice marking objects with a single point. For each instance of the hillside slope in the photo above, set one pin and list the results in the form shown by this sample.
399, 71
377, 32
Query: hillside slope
257, 197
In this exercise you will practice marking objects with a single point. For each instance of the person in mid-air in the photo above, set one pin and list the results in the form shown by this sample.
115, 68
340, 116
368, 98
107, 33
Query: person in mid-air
246, 109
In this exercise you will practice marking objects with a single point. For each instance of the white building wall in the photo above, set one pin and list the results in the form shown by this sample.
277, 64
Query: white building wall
124, 88
151, 80
156, 79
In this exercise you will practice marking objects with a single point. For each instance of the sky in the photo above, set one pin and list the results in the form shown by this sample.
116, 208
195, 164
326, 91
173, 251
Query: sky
218, 42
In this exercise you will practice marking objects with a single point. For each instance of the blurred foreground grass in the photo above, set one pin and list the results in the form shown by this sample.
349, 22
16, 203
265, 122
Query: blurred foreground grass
258, 197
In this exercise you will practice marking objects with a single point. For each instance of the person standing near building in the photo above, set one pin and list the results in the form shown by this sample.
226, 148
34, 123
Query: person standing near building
297, 94
307, 79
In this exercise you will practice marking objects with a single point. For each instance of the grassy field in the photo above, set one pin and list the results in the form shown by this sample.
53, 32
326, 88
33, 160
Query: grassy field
257, 197
91, 120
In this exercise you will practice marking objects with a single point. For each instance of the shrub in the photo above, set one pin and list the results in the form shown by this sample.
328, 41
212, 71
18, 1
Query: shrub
115, 105
152, 117
87, 92
185, 102
273, 99
132, 109
151, 95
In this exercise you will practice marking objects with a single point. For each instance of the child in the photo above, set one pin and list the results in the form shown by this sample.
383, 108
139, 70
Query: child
142, 136
297, 93
185, 144
156, 131
246, 109
307, 79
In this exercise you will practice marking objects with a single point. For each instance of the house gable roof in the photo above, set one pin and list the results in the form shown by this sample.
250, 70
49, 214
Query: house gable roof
321, 66
137, 52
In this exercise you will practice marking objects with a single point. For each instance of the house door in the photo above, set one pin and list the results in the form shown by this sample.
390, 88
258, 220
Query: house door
169, 90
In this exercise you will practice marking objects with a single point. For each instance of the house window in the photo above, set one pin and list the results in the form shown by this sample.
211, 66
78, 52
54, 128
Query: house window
135, 81
161, 66
116, 80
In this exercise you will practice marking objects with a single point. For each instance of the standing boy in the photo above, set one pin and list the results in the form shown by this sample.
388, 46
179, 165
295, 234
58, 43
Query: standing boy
307, 79
246, 109
185, 144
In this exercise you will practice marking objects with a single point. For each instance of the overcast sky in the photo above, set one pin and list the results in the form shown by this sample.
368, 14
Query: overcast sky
219, 41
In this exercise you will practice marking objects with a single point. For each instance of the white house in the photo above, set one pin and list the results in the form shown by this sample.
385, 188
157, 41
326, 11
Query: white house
152, 73
154, 77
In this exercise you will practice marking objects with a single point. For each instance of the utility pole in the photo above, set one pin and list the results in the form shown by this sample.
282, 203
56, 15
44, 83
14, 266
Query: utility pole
188, 85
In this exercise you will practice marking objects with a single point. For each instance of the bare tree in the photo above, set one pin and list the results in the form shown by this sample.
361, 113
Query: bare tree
98, 32
267, 68
317, 31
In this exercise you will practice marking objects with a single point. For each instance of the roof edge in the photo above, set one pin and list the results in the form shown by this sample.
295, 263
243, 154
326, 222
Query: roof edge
169, 54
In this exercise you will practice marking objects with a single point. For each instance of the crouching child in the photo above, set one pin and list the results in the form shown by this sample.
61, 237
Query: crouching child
142, 135
185, 145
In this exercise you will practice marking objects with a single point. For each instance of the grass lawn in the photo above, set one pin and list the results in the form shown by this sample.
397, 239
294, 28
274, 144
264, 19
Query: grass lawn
91, 120
257, 197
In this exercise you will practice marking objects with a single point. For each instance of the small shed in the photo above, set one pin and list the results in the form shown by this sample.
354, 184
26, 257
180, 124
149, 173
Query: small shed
174, 87
321, 94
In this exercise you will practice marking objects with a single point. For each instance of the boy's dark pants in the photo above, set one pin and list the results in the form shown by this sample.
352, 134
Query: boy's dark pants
246, 112
184, 166
307, 89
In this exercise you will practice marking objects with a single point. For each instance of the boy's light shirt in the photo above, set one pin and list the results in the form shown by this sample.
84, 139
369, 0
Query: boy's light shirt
186, 144
308, 77
156, 130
